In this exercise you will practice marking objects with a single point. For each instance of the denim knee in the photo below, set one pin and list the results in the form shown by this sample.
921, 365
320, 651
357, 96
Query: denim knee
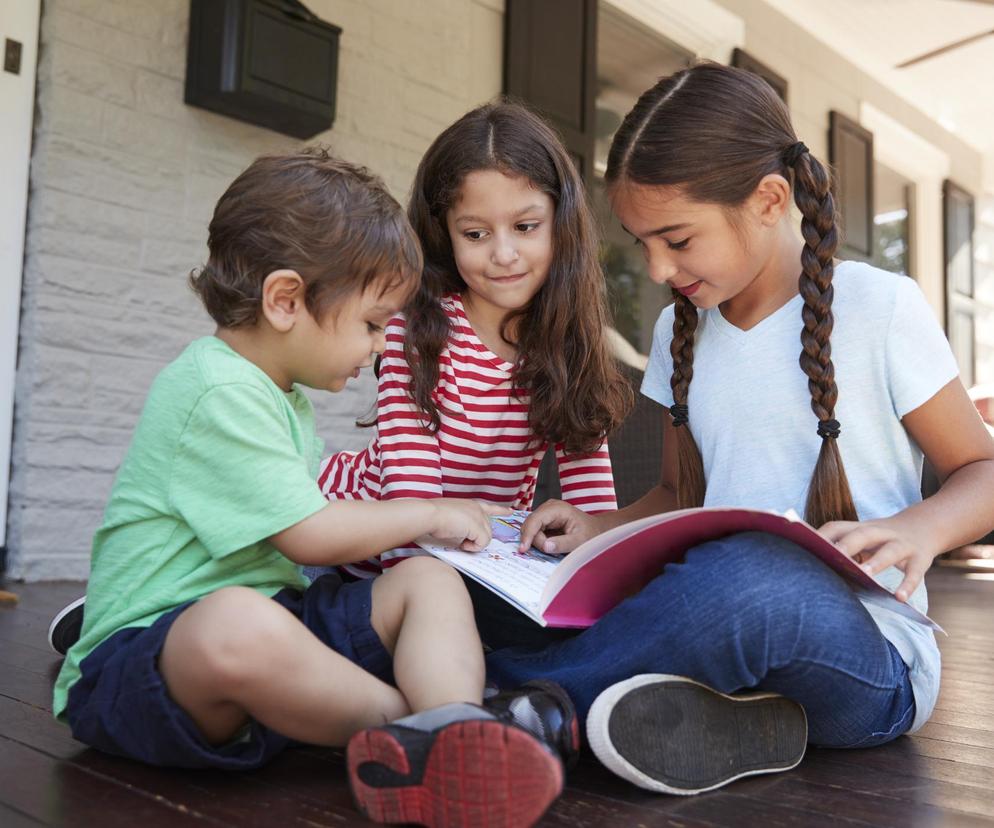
758, 566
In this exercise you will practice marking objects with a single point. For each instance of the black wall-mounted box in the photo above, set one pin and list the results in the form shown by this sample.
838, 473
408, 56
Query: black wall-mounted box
269, 62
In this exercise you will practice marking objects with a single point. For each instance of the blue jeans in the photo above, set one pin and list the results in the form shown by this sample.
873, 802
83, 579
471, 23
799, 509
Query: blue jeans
749, 611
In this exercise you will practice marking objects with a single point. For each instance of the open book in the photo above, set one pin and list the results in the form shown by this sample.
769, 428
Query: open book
577, 589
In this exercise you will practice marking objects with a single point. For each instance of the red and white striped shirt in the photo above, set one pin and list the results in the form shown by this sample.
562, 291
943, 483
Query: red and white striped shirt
483, 448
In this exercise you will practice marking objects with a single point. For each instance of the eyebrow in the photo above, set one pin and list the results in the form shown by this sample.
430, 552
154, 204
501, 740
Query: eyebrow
520, 212
659, 231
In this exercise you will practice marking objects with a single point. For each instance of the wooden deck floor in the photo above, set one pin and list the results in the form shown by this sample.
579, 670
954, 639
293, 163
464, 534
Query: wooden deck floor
942, 776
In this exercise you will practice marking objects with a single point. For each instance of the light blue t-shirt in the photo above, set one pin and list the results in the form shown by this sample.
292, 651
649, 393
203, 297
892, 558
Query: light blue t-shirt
750, 414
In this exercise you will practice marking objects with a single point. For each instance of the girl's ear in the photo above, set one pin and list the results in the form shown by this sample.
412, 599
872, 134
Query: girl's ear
771, 199
283, 299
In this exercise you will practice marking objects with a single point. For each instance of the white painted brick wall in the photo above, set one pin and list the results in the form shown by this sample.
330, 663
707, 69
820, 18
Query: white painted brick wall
123, 182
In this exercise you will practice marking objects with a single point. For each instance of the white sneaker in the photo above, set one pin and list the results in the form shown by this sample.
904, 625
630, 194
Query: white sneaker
673, 735
65, 628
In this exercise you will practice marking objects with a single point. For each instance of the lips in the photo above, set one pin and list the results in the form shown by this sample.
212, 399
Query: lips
688, 290
355, 373
504, 280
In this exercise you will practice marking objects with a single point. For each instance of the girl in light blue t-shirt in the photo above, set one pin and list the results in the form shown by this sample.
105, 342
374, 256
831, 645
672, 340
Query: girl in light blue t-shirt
790, 381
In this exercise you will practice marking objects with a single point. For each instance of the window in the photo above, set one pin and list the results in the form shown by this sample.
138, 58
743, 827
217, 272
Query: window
892, 220
961, 304
630, 59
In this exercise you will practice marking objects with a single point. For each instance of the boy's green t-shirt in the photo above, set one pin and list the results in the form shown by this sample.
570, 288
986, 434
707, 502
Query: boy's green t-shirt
221, 460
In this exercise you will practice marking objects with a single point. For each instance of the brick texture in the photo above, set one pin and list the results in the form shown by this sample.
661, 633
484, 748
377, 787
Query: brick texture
124, 178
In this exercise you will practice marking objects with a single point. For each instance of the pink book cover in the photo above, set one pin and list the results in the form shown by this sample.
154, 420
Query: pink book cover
616, 564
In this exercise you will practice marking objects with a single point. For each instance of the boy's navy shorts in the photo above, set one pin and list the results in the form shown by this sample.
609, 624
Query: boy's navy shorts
120, 703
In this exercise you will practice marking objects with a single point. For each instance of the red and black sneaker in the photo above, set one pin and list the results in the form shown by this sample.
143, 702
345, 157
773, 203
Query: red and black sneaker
544, 709
456, 765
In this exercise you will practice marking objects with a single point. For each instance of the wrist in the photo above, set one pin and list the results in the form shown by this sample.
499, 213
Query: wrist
921, 532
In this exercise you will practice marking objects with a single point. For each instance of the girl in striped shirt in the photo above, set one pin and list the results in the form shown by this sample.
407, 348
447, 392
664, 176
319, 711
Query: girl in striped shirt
502, 353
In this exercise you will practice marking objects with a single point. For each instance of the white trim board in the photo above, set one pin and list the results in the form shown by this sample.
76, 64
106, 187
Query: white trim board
18, 21
703, 26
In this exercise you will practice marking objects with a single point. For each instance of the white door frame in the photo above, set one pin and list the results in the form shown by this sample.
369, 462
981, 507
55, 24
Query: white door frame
19, 22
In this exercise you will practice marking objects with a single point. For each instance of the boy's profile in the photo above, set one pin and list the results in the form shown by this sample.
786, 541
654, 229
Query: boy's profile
203, 645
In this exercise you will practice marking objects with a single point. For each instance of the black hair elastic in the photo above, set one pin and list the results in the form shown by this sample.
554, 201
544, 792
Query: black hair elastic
793, 152
680, 414
828, 429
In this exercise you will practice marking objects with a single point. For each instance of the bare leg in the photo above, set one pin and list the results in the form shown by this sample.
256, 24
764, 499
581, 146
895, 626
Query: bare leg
237, 654
423, 615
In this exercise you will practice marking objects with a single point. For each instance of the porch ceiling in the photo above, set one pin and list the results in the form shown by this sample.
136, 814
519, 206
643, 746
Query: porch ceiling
939, 54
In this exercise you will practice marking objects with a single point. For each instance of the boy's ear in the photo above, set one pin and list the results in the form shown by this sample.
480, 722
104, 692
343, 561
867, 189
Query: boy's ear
283, 299
771, 200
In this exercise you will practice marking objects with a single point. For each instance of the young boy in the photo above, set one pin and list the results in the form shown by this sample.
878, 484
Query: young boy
202, 644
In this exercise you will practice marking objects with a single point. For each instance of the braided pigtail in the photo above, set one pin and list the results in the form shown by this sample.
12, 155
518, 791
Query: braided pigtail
690, 479
829, 496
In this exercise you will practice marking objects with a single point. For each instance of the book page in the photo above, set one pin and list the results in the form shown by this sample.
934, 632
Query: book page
519, 577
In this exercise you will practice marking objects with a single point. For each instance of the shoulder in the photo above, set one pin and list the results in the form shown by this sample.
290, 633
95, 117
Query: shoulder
863, 285
216, 364
210, 374
867, 295
662, 331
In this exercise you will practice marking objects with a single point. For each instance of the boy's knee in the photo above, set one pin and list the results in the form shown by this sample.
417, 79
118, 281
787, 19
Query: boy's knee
423, 572
232, 631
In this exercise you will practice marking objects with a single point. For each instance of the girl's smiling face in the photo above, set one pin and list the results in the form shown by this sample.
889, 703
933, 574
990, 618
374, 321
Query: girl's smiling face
501, 232
692, 246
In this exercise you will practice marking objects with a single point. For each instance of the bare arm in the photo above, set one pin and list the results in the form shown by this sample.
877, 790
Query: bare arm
954, 439
346, 531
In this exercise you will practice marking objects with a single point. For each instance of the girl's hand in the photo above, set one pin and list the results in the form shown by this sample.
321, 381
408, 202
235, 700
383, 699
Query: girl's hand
467, 521
569, 526
879, 544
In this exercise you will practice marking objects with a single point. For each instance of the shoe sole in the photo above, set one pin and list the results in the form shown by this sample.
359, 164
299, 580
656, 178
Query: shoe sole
673, 735
60, 628
476, 773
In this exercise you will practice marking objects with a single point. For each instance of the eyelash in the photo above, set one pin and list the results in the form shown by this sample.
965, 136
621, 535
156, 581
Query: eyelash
528, 227
373, 328
680, 245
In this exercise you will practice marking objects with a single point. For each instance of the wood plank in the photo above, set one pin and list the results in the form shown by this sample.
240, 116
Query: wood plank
727, 806
9, 818
913, 764
833, 768
60, 793
974, 736
941, 776
303, 790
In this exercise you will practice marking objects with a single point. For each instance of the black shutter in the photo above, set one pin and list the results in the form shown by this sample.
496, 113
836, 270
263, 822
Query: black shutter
961, 307
550, 57
850, 151
743, 60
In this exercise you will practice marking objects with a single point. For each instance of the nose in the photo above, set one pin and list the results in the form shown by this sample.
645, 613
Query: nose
661, 269
505, 252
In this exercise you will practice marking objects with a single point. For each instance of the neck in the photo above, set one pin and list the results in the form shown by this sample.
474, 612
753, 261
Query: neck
486, 320
257, 344
775, 284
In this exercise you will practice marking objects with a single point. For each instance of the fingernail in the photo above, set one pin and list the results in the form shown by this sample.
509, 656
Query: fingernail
550, 548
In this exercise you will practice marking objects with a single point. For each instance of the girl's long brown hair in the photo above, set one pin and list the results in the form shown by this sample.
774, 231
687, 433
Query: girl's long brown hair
577, 394
715, 132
